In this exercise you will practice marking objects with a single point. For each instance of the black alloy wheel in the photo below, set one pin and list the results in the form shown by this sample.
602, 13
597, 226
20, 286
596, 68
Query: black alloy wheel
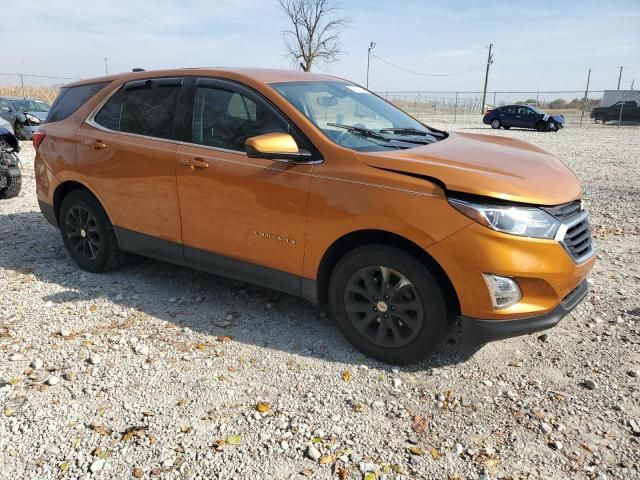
388, 304
384, 306
88, 234
82, 232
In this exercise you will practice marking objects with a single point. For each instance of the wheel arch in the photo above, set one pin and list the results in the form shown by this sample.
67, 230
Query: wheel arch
65, 188
361, 238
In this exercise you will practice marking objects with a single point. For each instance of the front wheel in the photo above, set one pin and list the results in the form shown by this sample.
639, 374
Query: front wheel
388, 304
542, 126
88, 234
18, 129
495, 124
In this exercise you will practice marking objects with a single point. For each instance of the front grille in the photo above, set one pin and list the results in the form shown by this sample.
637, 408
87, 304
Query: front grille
575, 233
578, 239
565, 211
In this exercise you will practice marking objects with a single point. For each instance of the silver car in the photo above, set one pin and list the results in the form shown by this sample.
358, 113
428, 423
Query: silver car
25, 115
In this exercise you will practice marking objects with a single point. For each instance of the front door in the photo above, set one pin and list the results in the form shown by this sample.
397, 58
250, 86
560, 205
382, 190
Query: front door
241, 217
521, 118
128, 155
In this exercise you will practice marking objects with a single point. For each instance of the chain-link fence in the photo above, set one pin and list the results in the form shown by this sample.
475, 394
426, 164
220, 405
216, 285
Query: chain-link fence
448, 106
40, 87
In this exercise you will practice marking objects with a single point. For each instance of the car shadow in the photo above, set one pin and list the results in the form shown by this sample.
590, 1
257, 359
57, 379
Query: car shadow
203, 302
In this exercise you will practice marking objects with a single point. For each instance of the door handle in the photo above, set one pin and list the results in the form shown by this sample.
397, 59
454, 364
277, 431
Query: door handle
194, 163
96, 144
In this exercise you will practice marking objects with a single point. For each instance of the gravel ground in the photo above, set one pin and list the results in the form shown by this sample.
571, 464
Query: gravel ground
160, 371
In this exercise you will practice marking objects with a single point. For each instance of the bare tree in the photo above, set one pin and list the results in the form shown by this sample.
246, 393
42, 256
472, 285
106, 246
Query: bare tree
315, 31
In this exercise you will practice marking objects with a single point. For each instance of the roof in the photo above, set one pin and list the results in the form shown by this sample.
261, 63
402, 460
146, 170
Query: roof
263, 75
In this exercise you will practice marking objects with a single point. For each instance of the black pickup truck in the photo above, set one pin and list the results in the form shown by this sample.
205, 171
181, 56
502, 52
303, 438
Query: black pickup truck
630, 112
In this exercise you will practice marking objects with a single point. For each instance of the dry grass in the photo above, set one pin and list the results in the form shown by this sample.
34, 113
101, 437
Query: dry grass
46, 94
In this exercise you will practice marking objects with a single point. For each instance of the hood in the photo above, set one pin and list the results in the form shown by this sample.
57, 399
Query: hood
487, 165
39, 115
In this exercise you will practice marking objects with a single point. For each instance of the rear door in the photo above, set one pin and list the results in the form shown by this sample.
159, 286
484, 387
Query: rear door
243, 217
507, 115
128, 153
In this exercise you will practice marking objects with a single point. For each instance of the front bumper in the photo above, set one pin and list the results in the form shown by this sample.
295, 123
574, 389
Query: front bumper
28, 131
477, 331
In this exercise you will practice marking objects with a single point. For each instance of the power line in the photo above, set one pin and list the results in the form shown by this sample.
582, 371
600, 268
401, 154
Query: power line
426, 74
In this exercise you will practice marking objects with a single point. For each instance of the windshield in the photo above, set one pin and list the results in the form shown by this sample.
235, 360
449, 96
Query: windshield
537, 110
354, 117
29, 106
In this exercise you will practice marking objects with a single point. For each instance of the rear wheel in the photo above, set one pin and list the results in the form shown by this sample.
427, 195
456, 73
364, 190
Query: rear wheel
88, 234
495, 124
388, 304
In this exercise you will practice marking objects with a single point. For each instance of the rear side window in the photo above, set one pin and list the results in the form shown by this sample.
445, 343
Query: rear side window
143, 107
71, 99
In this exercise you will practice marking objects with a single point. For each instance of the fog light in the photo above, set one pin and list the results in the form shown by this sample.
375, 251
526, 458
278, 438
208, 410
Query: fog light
504, 291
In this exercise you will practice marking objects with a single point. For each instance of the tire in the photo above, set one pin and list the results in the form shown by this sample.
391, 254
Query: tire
542, 126
496, 124
88, 234
17, 129
602, 118
14, 182
387, 331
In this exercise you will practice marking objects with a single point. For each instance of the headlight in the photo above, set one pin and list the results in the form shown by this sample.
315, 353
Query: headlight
523, 221
32, 119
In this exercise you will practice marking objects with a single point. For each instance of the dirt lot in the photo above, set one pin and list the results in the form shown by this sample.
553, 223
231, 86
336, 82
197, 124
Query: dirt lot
159, 371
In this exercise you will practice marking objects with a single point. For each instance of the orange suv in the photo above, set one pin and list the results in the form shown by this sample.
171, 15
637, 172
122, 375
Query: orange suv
315, 186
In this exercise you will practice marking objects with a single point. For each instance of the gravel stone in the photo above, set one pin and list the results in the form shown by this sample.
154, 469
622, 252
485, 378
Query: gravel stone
209, 379
313, 453
36, 364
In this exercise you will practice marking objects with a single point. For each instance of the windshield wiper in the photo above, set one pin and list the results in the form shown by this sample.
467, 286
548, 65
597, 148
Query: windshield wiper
365, 132
411, 131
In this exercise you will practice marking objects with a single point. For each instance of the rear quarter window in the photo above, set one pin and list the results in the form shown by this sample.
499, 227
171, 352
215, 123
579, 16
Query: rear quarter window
71, 99
145, 107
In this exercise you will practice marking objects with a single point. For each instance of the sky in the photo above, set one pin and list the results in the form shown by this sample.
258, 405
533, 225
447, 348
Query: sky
545, 45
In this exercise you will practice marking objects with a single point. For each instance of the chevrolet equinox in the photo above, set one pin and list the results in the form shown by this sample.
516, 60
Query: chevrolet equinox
317, 187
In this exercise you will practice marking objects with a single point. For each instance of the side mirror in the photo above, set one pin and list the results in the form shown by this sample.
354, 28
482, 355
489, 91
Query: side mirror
275, 146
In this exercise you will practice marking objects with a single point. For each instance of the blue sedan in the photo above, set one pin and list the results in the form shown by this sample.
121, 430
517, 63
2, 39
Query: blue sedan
523, 116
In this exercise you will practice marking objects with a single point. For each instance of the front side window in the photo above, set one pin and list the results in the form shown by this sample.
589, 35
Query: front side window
223, 118
355, 118
143, 107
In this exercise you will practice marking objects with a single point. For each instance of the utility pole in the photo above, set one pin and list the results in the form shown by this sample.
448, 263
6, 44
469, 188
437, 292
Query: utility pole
586, 92
632, 82
106, 66
372, 45
486, 78
620, 77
